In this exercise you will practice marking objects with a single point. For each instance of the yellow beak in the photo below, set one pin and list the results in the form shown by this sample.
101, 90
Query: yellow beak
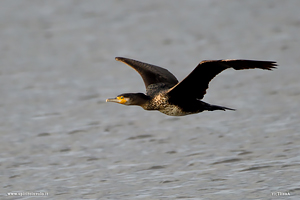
117, 100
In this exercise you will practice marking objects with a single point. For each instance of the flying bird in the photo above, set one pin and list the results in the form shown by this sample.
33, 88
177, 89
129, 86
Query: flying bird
165, 94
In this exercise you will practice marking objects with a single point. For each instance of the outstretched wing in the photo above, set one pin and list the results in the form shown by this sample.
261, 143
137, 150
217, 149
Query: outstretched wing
151, 74
196, 83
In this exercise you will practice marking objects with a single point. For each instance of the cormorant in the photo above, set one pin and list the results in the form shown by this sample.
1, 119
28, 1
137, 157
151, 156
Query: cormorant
165, 94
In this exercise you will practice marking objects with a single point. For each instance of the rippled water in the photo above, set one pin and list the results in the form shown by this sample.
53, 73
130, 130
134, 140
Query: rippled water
60, 137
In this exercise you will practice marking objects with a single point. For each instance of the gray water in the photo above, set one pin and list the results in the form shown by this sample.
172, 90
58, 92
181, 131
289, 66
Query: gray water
58, 135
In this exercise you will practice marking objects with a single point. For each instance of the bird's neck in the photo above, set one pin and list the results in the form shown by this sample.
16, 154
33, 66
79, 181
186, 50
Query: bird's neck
142, 100
147, 103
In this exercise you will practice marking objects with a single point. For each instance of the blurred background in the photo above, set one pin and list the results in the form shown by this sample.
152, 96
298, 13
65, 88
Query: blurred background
59, 136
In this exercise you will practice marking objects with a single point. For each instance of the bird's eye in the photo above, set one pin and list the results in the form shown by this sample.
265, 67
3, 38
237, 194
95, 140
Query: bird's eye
121, 97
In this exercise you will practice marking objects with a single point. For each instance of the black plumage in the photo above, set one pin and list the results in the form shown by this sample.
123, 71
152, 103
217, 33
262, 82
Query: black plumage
165, 94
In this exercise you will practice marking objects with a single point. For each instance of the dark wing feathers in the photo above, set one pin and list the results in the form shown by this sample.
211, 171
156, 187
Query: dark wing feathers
196, 83
151, 74
245, 64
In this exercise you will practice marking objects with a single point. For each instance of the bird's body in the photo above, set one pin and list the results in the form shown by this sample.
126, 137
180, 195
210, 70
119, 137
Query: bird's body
165, 94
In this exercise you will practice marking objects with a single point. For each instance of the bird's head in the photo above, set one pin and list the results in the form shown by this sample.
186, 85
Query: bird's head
130, 99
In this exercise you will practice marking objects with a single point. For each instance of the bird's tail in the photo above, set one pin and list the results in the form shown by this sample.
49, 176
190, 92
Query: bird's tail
215, 107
